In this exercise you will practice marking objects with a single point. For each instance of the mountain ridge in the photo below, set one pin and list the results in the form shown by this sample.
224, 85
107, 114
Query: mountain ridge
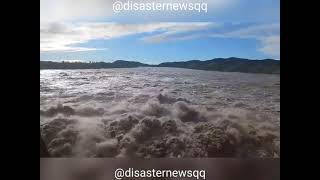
232, 64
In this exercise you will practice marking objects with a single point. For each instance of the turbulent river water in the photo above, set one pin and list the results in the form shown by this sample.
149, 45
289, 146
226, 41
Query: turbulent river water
159, 112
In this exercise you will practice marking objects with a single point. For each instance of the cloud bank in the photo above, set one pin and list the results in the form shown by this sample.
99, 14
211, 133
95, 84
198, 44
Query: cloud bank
267, 34
70, 37
66, 37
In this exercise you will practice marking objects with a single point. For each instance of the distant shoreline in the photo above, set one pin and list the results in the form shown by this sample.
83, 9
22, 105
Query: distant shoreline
265, 66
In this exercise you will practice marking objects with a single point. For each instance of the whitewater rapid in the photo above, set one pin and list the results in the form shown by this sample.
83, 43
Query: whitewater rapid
159, 112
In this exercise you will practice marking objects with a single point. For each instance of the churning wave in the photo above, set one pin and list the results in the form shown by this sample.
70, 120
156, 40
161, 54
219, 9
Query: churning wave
159, 112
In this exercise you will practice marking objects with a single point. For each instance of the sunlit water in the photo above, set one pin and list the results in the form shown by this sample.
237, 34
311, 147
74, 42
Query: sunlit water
159, 112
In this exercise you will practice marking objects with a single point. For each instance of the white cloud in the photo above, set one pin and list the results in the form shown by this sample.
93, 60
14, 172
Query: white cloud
271, 45
61, 10
172, 34
267, 34
253, 31
65, 36
68, 37
67, 49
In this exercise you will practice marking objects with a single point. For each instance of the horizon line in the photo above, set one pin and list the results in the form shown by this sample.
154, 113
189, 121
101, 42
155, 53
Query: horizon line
148, 62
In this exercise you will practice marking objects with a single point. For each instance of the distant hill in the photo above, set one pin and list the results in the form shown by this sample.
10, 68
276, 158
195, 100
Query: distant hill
268, 66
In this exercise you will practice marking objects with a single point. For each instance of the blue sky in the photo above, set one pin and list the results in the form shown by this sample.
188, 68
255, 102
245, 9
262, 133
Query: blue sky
91, 31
